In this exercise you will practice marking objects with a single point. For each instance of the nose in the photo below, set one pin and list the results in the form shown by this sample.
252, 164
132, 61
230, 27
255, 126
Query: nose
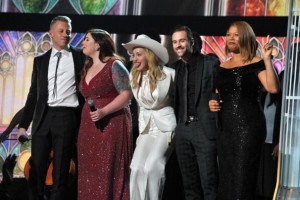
66, 34
176, 45
231, 36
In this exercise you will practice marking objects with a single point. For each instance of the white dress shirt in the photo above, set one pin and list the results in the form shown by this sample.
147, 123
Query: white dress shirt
66, 86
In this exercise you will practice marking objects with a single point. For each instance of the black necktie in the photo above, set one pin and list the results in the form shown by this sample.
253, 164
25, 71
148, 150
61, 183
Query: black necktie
58, 54
185, 95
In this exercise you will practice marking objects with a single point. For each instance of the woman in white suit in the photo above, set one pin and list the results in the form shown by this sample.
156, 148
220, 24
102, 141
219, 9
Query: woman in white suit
152, 84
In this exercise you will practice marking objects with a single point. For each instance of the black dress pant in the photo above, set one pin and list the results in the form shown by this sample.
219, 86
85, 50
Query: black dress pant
197, 158
57, 131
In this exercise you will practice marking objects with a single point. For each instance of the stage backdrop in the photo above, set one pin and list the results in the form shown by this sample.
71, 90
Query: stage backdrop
18, 48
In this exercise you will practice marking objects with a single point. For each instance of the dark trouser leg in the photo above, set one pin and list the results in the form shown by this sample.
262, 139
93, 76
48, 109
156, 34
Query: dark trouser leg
64, 132
206, 153
188, 163
40, 149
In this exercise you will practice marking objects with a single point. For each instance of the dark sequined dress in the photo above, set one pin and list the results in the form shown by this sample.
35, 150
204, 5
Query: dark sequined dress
243, 130
104, 156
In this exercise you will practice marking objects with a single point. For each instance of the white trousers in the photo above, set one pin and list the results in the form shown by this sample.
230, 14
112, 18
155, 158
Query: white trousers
147, 176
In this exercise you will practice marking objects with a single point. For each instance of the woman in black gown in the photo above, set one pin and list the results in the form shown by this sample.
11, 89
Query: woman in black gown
240, 82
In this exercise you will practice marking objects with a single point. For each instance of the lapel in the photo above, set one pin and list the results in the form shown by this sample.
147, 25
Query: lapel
43, 67
199, 74
77, 62
162, 90
163, 87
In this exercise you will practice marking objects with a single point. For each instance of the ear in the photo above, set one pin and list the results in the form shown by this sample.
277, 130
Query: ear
97, 47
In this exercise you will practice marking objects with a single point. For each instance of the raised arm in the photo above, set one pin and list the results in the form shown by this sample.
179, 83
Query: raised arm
268, 77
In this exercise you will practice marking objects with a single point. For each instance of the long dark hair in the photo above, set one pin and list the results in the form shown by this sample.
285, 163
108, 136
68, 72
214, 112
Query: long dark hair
107, 48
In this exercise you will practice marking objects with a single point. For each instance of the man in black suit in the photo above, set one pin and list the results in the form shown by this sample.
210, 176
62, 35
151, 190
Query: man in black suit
195, 135
54, 106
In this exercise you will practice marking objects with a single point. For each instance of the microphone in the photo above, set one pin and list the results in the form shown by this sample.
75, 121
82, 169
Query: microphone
92, 108
23, 139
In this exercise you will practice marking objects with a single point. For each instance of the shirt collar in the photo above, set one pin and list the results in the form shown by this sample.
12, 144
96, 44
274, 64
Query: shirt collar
65, 51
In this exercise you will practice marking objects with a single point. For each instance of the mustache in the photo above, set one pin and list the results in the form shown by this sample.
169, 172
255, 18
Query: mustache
180, 47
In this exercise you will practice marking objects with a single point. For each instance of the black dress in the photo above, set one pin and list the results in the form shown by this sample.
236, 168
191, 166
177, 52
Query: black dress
243, 130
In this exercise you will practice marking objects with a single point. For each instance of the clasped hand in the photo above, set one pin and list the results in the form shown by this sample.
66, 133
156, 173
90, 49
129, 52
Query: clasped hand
214, 105
97, 115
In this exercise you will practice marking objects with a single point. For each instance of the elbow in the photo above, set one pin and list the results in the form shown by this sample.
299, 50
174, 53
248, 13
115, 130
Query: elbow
273, 90
127, 94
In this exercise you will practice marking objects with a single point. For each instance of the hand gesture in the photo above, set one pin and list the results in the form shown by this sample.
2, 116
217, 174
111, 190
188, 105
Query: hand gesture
266, 49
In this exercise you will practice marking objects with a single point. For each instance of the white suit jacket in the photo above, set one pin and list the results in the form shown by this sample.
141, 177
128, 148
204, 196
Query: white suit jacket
161, 110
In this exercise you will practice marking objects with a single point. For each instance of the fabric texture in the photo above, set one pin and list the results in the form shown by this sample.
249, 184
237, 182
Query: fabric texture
243, 130
157, 123
104, 155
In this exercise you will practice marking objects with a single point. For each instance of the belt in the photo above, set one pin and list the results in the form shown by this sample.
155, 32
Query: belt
61, 108
191, 119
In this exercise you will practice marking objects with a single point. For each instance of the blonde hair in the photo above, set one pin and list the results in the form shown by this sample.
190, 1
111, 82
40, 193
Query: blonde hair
247, 40
155, 71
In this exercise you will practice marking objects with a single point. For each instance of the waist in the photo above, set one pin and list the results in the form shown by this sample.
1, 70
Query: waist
61, 108
190, 119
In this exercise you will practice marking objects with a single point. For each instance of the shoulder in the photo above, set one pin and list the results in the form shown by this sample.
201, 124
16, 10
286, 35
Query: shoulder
168, 69
75, 49
256, 59
176, 64
211, 57
44, 55
118, 65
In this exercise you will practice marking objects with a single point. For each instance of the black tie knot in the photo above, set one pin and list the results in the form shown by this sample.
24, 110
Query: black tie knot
58, 55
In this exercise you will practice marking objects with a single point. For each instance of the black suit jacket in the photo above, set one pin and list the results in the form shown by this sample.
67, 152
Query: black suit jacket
36, 102
204, 87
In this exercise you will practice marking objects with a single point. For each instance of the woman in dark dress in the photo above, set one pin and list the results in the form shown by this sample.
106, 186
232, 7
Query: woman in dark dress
104, 153
240, 82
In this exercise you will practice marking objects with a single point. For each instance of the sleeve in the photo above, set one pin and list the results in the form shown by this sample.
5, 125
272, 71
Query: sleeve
29, 107
120, 76
259, 67
215, 63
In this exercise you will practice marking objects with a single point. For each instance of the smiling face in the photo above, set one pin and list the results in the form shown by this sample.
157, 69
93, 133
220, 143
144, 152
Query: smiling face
181, 45
89, 46
232, 40
139, 59
60, 33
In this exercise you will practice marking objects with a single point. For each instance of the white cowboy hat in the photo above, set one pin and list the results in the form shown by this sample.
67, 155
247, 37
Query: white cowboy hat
144, 41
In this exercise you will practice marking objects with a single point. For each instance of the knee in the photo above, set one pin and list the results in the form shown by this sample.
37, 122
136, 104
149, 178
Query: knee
154, 169
137, 170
